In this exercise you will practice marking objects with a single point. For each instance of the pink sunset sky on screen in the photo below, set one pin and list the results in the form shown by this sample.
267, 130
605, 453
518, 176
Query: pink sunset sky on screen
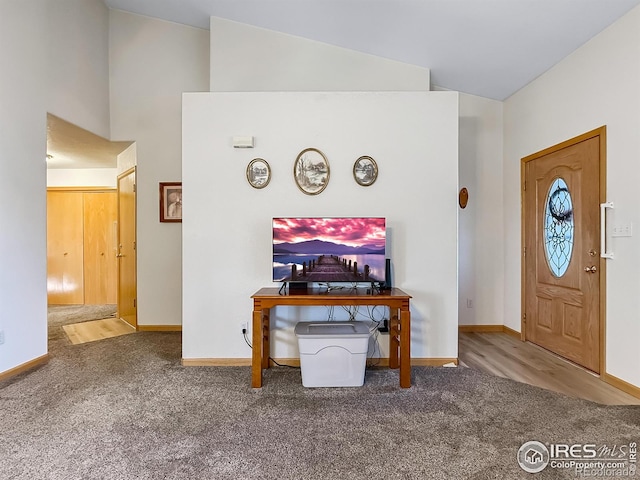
348, 231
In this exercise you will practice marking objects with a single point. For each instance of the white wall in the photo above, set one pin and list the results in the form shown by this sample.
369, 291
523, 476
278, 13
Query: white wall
81, 177
245, 58
127, 159
23, 121
39, 41
227, 228
275, 61
597, 85
481, 231
78, 64
152, 62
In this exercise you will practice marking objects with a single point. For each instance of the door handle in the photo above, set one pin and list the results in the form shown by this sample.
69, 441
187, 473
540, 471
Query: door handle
603, 227
591, 269
119, 255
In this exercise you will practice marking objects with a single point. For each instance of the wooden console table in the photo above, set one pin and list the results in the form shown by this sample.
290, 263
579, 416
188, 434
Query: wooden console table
399, 323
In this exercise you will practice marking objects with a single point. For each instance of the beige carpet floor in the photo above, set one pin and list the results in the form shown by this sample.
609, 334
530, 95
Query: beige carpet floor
126, 409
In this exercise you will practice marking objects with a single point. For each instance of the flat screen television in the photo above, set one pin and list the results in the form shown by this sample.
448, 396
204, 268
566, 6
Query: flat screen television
329, 249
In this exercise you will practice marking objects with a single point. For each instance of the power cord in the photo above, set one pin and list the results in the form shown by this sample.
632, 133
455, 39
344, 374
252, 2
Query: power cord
375, 329
244, 335
246, 340
283, 365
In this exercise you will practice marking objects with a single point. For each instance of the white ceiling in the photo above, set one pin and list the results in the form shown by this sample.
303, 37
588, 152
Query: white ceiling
490, 48
69, 146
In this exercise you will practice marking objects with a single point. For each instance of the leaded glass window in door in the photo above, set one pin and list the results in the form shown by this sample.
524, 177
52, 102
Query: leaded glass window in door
558, 227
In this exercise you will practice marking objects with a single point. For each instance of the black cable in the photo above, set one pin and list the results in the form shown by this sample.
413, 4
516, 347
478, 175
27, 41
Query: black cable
282, 365
244, 335
353, 312
374, 361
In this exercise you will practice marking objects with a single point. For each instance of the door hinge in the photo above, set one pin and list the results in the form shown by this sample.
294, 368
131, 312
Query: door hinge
135, 185
525, 185
524, 317
134, 303
524, 251
134, 245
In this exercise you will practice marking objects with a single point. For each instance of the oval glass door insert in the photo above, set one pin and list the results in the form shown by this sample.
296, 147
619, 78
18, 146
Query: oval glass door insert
558, 227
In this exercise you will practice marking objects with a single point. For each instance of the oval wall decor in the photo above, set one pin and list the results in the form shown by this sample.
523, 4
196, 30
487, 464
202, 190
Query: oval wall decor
258, 173
365, 171
311, 171
463, 197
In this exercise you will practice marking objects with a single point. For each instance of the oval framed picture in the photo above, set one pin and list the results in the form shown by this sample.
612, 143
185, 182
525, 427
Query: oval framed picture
365, 171
258, 173
311, 171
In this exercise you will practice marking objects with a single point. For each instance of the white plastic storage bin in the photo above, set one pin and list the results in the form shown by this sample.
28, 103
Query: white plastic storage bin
332, 354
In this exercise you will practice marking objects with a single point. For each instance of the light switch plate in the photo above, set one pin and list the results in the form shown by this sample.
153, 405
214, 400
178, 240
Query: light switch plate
622, 230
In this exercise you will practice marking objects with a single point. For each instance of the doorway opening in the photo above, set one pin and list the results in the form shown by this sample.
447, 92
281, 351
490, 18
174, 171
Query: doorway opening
82, 231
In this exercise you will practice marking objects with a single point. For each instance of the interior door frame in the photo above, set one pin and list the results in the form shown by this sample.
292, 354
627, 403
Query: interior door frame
133, 170
600, 133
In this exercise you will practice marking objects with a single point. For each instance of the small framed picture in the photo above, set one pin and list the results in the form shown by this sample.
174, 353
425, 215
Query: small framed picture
311, 171
258, 173
365, 171
171, 201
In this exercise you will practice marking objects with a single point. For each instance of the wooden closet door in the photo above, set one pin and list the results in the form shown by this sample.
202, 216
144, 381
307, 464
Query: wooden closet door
65, 272
100, 214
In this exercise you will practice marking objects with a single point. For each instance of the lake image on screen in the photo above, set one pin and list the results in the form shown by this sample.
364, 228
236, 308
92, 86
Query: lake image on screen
329, 249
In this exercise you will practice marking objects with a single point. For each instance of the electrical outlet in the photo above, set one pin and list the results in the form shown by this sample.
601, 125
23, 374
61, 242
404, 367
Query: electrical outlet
469, 303
1, 337
244, 327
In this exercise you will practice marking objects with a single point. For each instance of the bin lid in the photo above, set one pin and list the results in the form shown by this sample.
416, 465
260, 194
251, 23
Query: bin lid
329, 328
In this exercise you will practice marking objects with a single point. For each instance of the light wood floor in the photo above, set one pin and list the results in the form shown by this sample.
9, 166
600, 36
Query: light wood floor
506, 356
97, 330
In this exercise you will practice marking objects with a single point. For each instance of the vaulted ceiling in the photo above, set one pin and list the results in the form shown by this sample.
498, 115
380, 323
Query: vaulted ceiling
490, 48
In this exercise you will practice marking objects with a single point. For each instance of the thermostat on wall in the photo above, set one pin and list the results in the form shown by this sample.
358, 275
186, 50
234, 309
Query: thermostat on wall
242, 142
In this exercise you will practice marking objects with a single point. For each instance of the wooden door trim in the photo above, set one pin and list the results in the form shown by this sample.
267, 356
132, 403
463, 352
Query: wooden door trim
601, 133
126, 173
82, 189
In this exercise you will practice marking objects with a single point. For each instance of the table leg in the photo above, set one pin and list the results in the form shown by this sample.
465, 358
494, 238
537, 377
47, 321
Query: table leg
405, 348
394, 338
266, 348
256, 355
